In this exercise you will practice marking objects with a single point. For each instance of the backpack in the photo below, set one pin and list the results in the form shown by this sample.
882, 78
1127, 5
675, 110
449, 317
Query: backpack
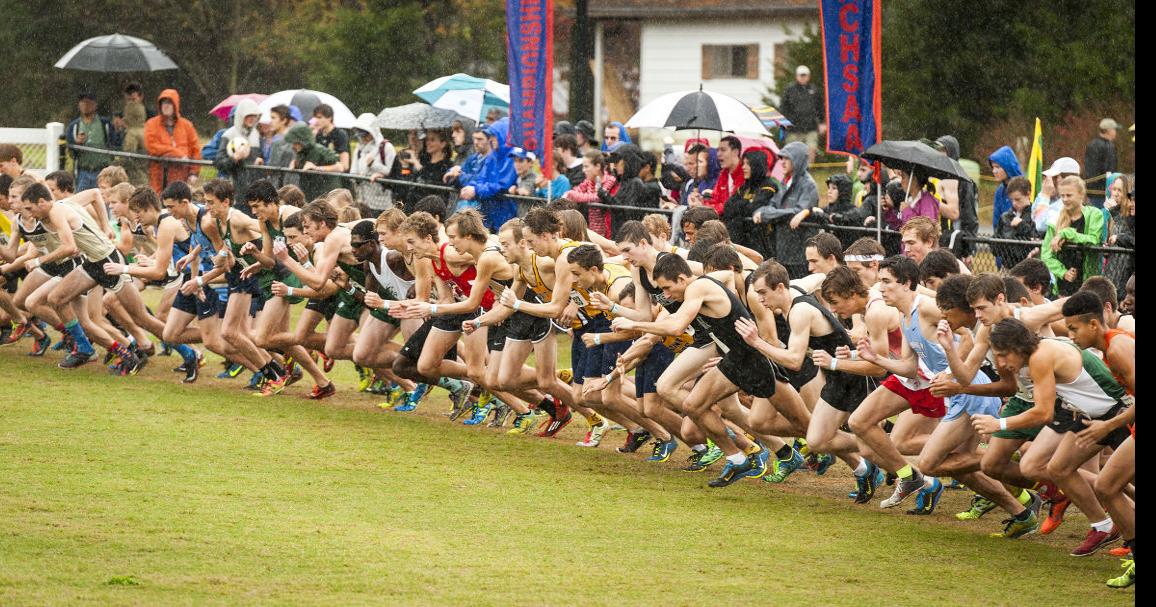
213, 146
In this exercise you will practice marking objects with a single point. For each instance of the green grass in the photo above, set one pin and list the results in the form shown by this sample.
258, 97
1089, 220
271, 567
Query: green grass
144, 491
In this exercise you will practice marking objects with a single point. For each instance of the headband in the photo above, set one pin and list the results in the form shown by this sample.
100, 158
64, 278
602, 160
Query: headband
863, 258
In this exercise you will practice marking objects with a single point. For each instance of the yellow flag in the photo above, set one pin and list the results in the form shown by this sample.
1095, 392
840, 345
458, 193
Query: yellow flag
1036, 160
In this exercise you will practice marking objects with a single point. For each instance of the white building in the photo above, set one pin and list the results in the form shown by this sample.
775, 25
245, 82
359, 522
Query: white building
647, 48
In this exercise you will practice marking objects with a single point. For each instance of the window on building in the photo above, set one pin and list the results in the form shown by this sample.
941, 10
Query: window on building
782, 68
730, 61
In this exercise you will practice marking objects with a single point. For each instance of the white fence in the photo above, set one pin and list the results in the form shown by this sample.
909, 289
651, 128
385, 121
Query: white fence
41, 147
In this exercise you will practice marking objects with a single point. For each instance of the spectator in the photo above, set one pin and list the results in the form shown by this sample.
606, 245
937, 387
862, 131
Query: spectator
11, 160
461, 136
246, 114
917, 201
649, 176
1004, 166
1060, 169
730, 177
556, 187
563, 127
328, 135
1079, 224
169, 135
836, 207
281, 154
94, 131
135, 115
758, 190
1016, 224
524, 167
494, 115
434, 159
702, 165
1040, 206
596, 178
585, 135
959, 210
1122, 230
626, 164
315, 158
469, 166
802, 105
375, 159
495, 177
614, 134
566, 146
790, 207
1100, 157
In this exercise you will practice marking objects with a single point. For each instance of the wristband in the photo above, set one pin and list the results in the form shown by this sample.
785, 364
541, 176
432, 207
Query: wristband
222, 252
351, 290
124, 269
598, 339
478, 322
36, 261
385, 304
308, 264
855, 354
200, 281
433, 309
288, 291
1003, 423
614, 309
834, 363
517, 304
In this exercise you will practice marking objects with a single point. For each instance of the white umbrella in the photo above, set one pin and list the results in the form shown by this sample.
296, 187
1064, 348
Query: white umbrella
467, 95
700, 109
306, 100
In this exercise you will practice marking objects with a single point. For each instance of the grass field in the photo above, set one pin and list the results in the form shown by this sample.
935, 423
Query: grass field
144, 491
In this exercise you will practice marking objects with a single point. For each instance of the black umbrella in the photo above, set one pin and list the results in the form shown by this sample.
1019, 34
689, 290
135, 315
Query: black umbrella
116, 53
700, 109
916, 156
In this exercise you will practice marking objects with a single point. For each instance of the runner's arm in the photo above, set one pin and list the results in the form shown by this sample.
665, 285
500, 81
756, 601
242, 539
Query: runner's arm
160, 268
673, 324
795, 354
878, 320
1122, 361
965, 370
1042, 369
559, 298
58, 219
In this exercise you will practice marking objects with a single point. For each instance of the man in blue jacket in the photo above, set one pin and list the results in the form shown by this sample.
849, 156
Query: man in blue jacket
1004, 166
495, 178
90, 130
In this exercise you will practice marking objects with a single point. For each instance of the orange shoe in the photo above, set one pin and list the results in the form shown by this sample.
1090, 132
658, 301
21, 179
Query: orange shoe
1055, 515
1121, 551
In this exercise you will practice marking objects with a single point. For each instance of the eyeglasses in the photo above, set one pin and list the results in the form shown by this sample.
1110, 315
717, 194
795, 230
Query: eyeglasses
359, 244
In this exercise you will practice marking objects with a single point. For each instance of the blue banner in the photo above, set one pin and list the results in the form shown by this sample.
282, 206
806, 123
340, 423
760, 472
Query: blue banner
852, 32
530, 55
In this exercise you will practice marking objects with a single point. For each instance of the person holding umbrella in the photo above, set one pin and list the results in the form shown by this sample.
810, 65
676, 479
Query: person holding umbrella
170, 135
235, 161
91, 130
790, 207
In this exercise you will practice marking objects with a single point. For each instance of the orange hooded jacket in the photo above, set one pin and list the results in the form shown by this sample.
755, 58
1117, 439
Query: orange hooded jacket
182, 142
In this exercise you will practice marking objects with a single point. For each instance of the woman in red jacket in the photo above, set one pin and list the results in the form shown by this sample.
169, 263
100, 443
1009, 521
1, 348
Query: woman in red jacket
169, 135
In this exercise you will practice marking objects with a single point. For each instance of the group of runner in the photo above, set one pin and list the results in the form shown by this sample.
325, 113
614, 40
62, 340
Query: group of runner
900, 367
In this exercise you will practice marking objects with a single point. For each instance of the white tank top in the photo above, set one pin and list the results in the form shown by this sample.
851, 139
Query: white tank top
93, 245
386, 277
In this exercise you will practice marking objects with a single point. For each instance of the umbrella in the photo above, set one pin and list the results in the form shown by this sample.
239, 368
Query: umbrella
306, 100
769, 144
698, 110
116, 53
909, 155
417, 116
222, 109
771, 117
469, 96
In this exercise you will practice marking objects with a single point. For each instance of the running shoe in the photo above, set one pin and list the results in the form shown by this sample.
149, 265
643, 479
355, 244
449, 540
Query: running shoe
109, 355
785, 467
867, 484
1049, 491
701, 460
1014, 528
365, 378
903, 489
733, 472
460, 400
295, 375
481, 409
890, 478
563, 417
15, 334
192, 369
5, 334
65, 343
826, 460
414, 399
501, 414
319, 392
1121, 551
75, 359
41, 345
231, 370
980, 506
595, 434
525, 422
396, 395
378, 386
762, 456
326, 361
928, 498
664, 449
634, 441
1055, 516
166, 349
566, 375
273, 386
1096, 540
256, 381
1129, 576
694, 461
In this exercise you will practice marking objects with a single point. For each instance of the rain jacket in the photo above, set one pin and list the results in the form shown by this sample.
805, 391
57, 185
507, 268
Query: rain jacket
585, 193
843, 211
631, 192
1092, 236
238, 169
313, 184
968, 221
495, 178
378, 157
800, 192
623, 136
728, 183
1005, 158
757, 192
181, 142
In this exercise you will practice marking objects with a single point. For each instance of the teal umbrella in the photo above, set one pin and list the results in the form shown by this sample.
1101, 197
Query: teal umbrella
467, 95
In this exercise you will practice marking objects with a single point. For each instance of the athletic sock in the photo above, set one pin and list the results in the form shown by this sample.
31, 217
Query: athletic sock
547, 405
272, 370
1023, 516
1024, 497
905, 472
453, 385
753, 449
861, 469
75, 331
731, 434
185, 351
1104, 525
594, 419
737, 459
785, 453
698, 448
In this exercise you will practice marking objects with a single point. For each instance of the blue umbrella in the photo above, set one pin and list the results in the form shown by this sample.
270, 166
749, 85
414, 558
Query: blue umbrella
467, 95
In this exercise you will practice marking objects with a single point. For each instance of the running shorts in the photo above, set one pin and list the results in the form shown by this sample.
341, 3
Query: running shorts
523, 327
846, 391
921, 401
1016, 405
1066, 420
95, 271
646, 374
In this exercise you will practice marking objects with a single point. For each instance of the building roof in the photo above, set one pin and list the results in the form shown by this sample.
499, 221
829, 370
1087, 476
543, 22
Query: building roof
679, 9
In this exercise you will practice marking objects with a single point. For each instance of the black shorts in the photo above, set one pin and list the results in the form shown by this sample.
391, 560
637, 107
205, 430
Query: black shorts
452, 322
523, 327
496, 337
14, 279
752, 374
799, 378
326, 307
416, 342
95, 271
1066, 420
646, 374
59, 269
845, 391
191, 304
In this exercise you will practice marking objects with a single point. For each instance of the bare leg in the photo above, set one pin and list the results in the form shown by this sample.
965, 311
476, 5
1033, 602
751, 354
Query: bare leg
1119, 471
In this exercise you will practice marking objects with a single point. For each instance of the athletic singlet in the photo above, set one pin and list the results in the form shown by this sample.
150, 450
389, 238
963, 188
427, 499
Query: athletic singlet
91, 243
1094, 392
142, 244
390, 282
838, 335
613, 273
44, 241
579, 296
462, 284
197, 237
538, 288
227, 237
5, 229
894, 336
722, 330
655, 293
1024, 385
931, 357
1108, 345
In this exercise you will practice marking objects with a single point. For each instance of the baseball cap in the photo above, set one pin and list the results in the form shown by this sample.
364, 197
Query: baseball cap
1108, 123
523, 154
802, 70
1063, 165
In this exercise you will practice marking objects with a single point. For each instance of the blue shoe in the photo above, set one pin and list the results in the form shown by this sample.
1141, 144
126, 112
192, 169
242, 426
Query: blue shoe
481, 412
733, 472
784, 468
927, 498
256, 381
826, 460
867, 484
663, 450
414, 398
231, 371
